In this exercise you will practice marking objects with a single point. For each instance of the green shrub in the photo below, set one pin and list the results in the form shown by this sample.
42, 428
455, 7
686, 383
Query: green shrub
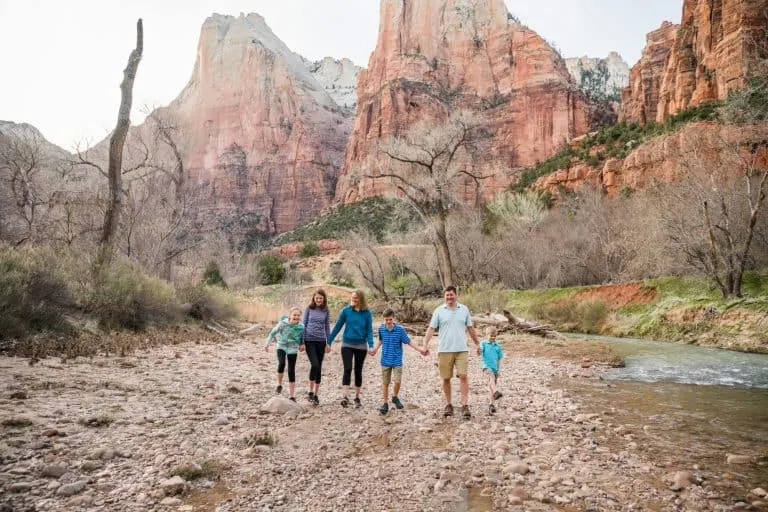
33, 294
206, 302
124, 297
591, 315
212, 276
485, 297
210, 469
309, 249
271, 269
560, 314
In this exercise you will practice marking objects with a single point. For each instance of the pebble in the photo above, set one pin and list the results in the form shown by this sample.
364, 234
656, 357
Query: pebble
71, 489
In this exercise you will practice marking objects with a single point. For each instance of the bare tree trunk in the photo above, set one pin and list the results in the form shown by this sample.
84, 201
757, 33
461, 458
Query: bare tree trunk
116, 143
444, 252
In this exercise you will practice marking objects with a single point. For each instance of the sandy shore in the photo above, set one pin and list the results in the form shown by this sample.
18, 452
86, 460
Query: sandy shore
108, 433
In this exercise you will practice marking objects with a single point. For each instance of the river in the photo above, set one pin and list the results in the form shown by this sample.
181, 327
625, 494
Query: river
690, 407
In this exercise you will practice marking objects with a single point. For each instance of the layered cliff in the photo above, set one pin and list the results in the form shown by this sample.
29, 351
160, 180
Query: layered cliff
710, 54
263, 140
434, 57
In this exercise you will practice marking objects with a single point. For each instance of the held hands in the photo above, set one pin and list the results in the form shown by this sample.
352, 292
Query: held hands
477, 349
371, 351
327, 349
301, 348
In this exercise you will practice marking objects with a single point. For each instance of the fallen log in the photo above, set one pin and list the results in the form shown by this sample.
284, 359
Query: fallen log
509, 322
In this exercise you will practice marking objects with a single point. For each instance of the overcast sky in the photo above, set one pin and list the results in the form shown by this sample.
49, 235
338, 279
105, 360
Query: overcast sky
61, 61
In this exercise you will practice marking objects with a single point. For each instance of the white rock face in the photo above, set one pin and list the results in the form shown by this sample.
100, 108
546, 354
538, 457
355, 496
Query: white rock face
618, 70
338, 78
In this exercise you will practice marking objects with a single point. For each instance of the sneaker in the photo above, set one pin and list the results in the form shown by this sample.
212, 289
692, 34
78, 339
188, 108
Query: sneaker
344, 402
315, 400
497, 395
292, 399
279, 389
310, 396
397, 402
358, 404
384, 409
491, 408
448, 410
465, 412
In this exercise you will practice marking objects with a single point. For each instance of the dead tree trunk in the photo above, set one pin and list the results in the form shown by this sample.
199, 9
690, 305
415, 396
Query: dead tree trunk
116, 143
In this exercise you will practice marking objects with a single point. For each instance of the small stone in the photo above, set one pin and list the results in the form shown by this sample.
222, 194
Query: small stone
19, 395
53, 470
85, 500
51, 432
737, 459
170, 502
222, 420
72, 489
518, 468
760, 492
173, 485
20, 487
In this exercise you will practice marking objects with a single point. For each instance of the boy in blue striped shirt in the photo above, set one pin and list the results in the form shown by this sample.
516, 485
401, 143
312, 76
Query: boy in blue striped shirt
392, 337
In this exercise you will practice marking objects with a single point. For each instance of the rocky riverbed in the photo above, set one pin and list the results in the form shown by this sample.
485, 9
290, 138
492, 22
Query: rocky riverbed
183, 428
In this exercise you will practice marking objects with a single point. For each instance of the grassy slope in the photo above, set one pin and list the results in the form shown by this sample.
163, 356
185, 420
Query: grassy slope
686, 309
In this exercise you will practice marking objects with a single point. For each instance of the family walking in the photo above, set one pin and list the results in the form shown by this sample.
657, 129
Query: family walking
312, 334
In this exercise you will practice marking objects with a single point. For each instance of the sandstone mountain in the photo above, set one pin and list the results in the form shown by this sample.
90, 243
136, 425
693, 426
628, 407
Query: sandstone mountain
263, 139
338, 77
703, 59
587, 71
433, 56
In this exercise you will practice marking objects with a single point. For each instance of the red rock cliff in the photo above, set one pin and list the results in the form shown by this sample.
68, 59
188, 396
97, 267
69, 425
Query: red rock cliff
710, 55
436, 56
262, 137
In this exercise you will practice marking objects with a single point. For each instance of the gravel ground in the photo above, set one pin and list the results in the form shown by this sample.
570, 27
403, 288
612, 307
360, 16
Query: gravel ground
109, 433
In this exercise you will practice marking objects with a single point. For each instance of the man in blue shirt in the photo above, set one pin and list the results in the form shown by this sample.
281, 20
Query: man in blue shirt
452, 321
392, 337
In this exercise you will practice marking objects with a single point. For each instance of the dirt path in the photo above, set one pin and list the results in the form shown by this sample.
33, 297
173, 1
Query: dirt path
106, 434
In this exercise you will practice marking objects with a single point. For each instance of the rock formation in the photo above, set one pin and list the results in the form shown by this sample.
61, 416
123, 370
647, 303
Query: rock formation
639, 101
703, 59
264, 140
338, 78
437, 56
616, 69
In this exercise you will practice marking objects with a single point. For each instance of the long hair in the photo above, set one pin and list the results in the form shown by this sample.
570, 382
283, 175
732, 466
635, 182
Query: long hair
362, 304
320, 292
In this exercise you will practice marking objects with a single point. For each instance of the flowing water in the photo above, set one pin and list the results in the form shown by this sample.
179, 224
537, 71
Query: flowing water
690, 407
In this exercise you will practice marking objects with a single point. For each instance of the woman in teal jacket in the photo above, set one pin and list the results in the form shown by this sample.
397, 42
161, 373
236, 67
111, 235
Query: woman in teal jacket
356, 343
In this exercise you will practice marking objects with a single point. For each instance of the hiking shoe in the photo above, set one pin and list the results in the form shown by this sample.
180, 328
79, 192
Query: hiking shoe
310, 396
491, 409
384, 409
465, 412
497, 395
344, 402
315, 400
292, 399
448, 411
358, 404
397, 402
279, 389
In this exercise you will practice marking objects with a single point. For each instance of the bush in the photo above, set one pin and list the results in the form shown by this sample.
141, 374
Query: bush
271, 269
212, 276
485, 297
309, 249
33, 295
126, 298
339, 275
572, 315
206, 302
591, 315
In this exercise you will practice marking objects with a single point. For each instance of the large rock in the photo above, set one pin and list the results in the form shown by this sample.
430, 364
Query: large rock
615, 67
280, 405
704, 58
437, 56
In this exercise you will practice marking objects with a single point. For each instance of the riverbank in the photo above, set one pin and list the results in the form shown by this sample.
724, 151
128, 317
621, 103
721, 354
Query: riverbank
108, 433
677, 309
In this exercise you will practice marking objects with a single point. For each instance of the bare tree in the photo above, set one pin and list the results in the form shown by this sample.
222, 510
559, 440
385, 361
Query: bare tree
20, 163
727, 181
117, 140
429, 166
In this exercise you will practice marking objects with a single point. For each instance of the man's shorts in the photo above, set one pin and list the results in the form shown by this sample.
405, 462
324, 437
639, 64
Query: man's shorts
447, 361
390, 373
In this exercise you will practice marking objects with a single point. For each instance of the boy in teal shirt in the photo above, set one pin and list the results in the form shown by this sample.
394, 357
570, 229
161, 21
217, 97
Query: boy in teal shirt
492, 356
